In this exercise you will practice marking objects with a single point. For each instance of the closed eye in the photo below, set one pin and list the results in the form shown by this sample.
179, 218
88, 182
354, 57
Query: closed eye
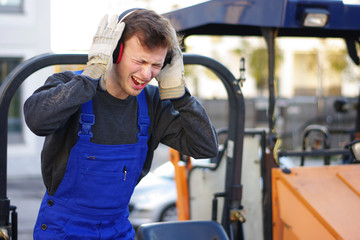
140, 62
157, 66
143, 62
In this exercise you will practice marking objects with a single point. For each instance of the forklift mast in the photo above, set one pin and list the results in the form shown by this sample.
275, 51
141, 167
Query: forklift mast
270, 20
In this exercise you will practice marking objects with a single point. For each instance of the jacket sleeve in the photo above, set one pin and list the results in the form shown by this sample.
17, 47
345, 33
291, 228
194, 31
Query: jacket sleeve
184, 125
49, 108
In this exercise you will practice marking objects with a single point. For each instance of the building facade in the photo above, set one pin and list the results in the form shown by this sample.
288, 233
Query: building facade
25, 33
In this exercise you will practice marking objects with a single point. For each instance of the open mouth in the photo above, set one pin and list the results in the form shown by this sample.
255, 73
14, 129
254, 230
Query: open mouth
139, 84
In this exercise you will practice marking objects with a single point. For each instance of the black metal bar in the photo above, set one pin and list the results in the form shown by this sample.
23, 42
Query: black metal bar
314, 153
215, 205
269, 34
4, 212
214, 209
357, 122
7, 91
236, 124
351, 43
233, 187
14, 223
326, 140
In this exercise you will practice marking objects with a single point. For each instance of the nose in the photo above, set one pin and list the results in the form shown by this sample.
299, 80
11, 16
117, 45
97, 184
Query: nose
146, 71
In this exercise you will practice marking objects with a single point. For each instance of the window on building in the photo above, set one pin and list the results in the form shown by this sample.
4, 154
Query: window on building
14, 120
306, 75
11, 6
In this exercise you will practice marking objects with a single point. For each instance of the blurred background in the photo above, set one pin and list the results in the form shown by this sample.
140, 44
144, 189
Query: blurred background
310, 73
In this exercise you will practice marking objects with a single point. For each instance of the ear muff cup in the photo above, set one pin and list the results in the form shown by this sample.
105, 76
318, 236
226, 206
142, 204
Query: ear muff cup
117, 54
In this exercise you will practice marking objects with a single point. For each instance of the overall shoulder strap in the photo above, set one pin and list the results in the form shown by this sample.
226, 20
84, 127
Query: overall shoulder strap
143, 117
87, 118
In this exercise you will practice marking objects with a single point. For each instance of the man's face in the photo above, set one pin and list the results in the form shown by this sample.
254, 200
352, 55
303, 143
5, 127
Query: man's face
137, 67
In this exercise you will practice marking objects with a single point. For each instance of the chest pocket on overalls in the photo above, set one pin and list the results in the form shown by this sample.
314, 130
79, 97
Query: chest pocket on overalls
108, 179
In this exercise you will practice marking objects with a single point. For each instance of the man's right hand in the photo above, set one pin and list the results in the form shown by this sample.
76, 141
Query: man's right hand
102, 48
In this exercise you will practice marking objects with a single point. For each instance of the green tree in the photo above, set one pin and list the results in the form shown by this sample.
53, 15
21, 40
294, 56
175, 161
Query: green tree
258, 66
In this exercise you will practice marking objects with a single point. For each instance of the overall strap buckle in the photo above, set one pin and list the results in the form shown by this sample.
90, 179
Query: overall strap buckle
86, 121
144, 123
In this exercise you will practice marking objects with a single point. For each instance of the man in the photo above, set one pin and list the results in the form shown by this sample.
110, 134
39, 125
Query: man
102, 126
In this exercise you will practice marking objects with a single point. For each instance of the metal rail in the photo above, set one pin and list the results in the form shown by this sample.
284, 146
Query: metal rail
236, 126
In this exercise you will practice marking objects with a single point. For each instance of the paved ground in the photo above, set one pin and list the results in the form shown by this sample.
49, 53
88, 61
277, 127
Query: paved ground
26, 195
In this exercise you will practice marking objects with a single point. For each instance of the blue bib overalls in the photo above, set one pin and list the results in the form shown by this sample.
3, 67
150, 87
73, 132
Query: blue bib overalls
92, 199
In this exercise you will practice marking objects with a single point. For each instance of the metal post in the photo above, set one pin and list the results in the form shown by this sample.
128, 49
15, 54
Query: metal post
269, 35
7, 91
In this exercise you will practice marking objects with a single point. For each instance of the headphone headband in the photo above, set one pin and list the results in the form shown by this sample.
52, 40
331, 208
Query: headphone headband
120, 46
127, 13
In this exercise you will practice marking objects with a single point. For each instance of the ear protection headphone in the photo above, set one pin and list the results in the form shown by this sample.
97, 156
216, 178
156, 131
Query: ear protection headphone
117, 54
120, 46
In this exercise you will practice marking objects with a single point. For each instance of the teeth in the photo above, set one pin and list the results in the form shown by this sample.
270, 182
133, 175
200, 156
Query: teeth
138, 80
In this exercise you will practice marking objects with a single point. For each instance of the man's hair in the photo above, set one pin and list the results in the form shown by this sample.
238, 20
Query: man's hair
152, 29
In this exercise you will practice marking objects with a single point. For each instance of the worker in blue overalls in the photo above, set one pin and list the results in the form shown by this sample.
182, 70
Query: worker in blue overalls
102, 125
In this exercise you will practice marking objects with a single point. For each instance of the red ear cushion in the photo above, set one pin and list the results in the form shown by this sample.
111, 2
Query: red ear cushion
120, 53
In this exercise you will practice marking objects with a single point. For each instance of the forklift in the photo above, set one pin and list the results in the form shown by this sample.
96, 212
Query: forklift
302, 202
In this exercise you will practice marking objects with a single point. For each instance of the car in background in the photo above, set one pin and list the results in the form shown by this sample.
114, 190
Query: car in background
154, 198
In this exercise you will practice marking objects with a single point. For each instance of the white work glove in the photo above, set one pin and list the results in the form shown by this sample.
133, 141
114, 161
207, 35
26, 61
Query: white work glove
171, 78
101, 51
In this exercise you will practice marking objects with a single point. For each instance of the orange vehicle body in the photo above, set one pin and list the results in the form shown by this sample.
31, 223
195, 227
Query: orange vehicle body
316, 203
181, 171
